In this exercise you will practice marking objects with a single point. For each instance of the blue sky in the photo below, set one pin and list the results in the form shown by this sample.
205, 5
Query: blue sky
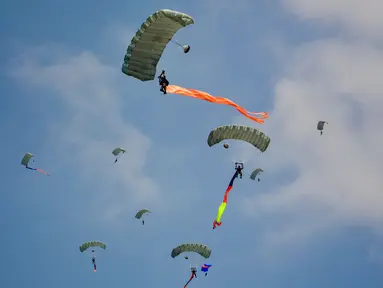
314, 220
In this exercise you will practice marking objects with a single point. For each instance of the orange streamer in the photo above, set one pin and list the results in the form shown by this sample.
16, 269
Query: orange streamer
172, 89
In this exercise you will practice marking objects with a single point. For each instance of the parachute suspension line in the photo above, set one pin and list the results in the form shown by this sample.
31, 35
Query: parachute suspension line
175, 42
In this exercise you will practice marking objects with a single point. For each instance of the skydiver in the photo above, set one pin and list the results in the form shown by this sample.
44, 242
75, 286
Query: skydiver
115, 160
163, 81
239, 168
194, 275
143, 222
94, 263
321, 132
194, 271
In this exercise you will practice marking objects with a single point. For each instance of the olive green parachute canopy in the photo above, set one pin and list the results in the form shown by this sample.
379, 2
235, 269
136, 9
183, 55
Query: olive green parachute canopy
238, 132
148, 44
201, 249
142, 212
320, 125
27, 157
86, 245
118, 151
255, 173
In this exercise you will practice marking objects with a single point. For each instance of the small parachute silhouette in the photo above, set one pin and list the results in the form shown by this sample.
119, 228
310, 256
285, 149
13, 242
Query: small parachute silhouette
320, 126
116, 152
255, 173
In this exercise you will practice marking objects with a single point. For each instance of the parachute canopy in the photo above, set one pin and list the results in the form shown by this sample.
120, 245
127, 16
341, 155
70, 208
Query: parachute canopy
27, 157
238, 132
86, 245
148, 44
201, 249
255, 173
118, 151
142, 212
320, 125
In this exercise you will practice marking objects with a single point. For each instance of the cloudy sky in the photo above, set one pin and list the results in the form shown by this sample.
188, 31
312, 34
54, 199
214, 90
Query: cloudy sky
315, 219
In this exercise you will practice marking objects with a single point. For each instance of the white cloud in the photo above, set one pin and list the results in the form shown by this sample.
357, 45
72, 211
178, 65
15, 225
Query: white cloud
339, 178
93, 127
361, 17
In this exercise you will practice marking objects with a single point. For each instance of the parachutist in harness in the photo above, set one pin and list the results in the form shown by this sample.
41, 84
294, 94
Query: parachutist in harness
163, 81
143, 222
239, 168
194, 272
94, 264
194, 275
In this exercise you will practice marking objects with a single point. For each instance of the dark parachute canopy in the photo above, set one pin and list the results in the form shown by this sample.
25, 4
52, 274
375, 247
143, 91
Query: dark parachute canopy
255, 173
239, 132
86, 245
201, 249
320, 126
140, 213
148, 44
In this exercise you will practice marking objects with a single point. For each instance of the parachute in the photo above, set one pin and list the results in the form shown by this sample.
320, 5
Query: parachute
25, 162
141, 213
116, 152
255, 173
148, 44
201, 249
94, 244
27, 157
320, 126
86, 245
238, 132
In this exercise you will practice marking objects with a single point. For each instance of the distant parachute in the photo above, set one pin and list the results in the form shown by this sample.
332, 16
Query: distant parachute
148, 44
86, 245
27, 157
142, 212
94, 244
238, 132
320, 126
25, 162
201, 249
116, 152
255, 173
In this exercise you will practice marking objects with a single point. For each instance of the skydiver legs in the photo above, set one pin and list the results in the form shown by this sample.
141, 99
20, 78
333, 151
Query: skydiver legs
194, 272
163, 82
